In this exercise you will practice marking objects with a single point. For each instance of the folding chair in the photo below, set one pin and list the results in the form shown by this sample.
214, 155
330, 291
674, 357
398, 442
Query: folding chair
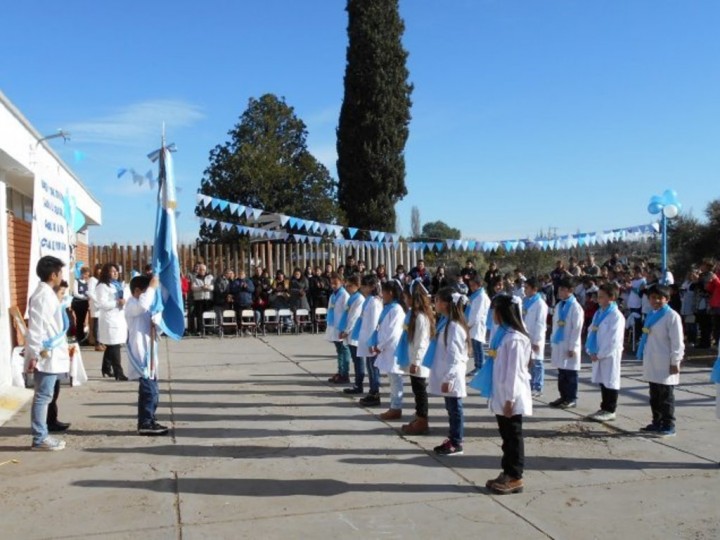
320, 318
302, 320
229, 319
270, 318
209, 321
285, 321
248, 321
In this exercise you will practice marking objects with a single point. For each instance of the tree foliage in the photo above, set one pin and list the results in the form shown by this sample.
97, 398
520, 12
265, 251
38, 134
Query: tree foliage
415, 228
266, 164
691, 240
439, 230
375, 115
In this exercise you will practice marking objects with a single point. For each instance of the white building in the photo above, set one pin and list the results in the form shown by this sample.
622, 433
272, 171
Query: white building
25, 159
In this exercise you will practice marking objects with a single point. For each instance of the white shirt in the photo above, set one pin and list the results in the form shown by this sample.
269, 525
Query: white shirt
450, 362
477, 321
389, 332
419, 344
45, 322
511, 378
536, 323
332, 333
571, 338
139, 321
370, 317
610, 339
202, 287
354, 312
664, 347
112, 327
634, 300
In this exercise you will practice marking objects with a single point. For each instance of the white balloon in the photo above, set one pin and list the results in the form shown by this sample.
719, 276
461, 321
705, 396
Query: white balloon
671, 211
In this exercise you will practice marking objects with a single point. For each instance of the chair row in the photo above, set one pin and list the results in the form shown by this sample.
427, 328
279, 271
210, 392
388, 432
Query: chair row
274, 320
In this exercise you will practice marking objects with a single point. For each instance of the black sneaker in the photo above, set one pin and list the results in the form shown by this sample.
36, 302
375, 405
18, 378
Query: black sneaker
371, 400
650, 428
58, 427
447, 448
353, 391
568, 405
153, 429
556, 404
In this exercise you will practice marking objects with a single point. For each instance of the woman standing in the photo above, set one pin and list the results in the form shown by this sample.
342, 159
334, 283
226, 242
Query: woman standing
80, 303
299, 291
112, 332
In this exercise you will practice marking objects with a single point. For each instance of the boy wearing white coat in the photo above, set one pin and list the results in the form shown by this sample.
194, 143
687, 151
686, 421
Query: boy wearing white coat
143, 352
448, 356
566, 347
336, 308
535, 312
353, 310
364, 328
385, 342
605, 346
476, 314
661, 351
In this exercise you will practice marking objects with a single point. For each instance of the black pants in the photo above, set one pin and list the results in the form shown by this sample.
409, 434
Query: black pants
662, 405
568, 384
112, 360
419, 388
609, 398
704, 322
513, 446
52, 414
80, 308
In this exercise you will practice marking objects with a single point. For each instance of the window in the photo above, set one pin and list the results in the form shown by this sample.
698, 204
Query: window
20, 205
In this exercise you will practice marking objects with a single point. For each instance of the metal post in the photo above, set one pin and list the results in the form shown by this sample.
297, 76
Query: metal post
663, 279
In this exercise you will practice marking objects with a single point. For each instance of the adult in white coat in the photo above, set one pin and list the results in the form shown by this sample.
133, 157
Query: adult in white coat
605, 347
366, 326
566, 347
389, 331
110, 299
449, 365
93, 310
534, 312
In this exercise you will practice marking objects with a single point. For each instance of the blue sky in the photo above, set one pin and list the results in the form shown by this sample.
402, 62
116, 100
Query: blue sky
527, 114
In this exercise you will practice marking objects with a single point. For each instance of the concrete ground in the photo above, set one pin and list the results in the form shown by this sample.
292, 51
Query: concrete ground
263, 447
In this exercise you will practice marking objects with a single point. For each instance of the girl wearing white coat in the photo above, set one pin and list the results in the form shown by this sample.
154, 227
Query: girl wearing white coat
387, 337
510, 398
566, 347
363, 330
605, 347
420, 329
535, 311
448, 355
110, 298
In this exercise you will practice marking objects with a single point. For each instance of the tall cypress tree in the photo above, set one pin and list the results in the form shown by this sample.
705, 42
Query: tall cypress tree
374, 117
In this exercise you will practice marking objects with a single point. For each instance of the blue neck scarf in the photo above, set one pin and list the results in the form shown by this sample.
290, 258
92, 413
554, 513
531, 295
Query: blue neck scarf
650, 321
564, 310
358, 324
384, 313
331, 307
471, 298
118, 288
429, 359
592, 343
530, 302
403, 349
356, 296
483, 381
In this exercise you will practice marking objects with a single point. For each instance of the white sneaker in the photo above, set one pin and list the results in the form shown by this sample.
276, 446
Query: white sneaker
49, 445
602, 416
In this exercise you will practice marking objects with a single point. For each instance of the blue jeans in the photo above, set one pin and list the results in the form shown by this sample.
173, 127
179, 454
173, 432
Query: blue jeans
478, 353
44, 389
537, 375
343, 358
148, 398
396, 390
568, 384
359, 366
373, 375
454, 407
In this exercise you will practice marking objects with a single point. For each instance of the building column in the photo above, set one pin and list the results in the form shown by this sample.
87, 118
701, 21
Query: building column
5, 321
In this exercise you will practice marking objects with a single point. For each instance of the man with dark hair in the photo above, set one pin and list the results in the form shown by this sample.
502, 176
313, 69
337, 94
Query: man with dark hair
46, 349
468, 272
420, 271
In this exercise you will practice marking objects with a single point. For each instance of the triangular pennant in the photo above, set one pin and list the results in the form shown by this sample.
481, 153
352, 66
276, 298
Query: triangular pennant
234, 208
284, 219
352, 231
257, 212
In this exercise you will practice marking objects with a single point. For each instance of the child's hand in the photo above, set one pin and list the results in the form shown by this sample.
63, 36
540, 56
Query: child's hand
594, 357
414, 369
343, 335
32, 364
674, 370
508, 409
121, 302
571, 354
446, 387
536, 348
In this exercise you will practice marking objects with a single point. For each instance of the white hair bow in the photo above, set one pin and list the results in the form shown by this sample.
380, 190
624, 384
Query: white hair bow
516, 300
458, 298
418, 282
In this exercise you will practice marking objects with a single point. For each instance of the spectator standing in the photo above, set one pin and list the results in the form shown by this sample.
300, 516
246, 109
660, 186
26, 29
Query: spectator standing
81, 303
299, 288
202, 289
439, 280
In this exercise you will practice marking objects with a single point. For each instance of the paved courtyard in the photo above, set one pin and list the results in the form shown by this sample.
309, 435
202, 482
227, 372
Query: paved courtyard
263, 447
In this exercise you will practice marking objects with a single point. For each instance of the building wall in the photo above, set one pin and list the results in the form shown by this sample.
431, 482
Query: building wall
82, 252
19, 234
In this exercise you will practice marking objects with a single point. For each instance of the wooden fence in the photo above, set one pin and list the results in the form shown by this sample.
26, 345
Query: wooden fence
270, 255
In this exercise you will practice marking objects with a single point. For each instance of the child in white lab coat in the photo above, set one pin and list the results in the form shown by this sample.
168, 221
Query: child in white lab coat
353, 310
476, 313
336, 308
568, 320
364, 328
535, 311
510, 397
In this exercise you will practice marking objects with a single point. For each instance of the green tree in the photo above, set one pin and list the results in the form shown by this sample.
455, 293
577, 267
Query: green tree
691, 240
439, 230
266, 164
375, 115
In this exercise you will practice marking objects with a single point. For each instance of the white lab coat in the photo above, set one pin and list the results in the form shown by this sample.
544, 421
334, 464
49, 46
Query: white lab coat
355, 310
92, 285
665, 347
477, 321
139, 321
450, 362
419, 344
389, 332
370, 318
536, 323
511, 378
571, 338
610, 338
332, 333
112, 327
634, 299
45, 322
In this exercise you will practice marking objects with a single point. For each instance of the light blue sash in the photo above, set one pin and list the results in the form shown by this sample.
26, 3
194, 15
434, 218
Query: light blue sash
346, 313
483, 381
592, 344
562, 319
429, 359
358, 324
472, 297
530, 302
403, 349
384, 313
331, 307
650, 321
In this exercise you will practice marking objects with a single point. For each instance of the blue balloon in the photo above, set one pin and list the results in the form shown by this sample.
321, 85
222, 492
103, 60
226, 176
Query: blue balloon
669, 196
655, 207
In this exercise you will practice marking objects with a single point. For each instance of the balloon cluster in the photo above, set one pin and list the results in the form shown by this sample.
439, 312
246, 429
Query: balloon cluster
667, 203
